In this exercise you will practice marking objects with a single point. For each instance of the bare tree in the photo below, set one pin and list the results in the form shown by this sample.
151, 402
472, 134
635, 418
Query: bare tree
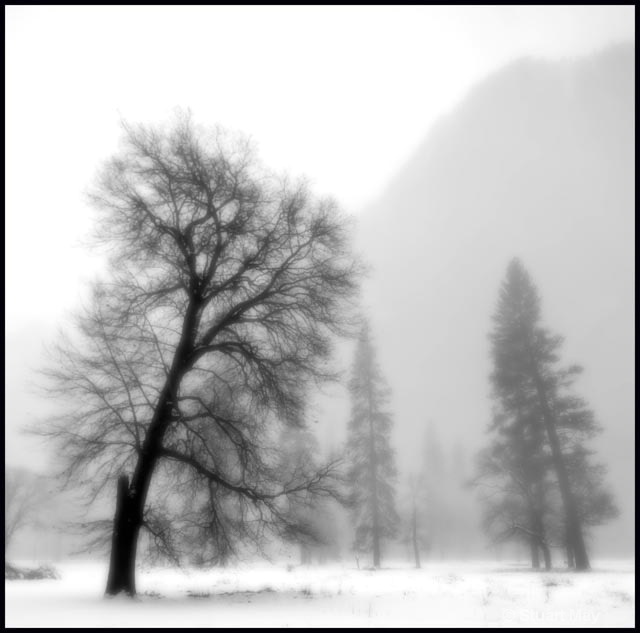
414, 514
433, 498
513, 493
24, 497
227, 286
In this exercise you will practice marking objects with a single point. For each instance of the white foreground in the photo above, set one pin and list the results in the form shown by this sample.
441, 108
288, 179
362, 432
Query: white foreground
440, 594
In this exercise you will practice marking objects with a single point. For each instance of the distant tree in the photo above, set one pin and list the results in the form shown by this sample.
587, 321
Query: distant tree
463, 527
307, 516
513, 490
371, 459
535, 399
225, 289
413, 516
433, 497
25, 498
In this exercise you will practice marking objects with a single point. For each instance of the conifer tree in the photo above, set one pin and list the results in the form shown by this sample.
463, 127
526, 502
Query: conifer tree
539, 419
372, 472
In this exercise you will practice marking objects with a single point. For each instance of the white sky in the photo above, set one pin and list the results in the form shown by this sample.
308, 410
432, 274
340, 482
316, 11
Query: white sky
341, 94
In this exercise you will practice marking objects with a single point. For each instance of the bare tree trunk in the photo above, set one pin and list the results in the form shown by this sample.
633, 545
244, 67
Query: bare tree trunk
576, 540
376, 533
128, 518
574, 529
538, 541
416, 551
542, 541
123, 543
539, 527
374, 484
546, 553
532, 532
535, 559
131, 498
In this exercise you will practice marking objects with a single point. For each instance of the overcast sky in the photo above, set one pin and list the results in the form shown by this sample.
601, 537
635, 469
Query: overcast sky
341, 94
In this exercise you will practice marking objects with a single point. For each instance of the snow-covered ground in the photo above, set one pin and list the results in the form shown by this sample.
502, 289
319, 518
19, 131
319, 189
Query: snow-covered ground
440, 594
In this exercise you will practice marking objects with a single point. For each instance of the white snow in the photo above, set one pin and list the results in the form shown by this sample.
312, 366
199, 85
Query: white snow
263, 595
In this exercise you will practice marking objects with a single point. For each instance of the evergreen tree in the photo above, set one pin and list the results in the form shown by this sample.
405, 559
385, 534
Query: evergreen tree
576, 425
372, 471
540, 421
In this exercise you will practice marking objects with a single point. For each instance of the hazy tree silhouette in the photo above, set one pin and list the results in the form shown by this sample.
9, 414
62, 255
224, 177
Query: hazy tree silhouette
225, 289
372, 471
25, 497
435, 484
413, 515
539, 420
514, 480
595, 502
308, 517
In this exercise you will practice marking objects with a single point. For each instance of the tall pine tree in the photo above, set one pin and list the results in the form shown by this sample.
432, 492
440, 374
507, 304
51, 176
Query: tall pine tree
372, 471
534, 395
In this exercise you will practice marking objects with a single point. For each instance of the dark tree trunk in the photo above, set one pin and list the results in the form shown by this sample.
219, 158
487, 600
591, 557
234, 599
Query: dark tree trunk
123, 543
128, 520
571, 563
574, 529
131, 498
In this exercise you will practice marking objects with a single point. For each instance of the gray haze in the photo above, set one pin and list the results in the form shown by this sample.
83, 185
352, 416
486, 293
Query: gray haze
536, 162
508, 132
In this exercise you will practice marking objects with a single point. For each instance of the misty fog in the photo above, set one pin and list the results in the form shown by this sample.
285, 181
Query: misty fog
473, 153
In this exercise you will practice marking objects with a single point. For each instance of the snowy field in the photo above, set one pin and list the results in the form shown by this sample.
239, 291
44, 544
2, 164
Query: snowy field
441, 594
